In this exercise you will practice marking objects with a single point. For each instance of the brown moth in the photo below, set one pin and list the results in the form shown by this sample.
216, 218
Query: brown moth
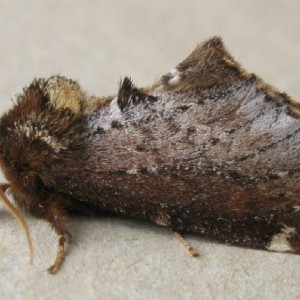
208, 149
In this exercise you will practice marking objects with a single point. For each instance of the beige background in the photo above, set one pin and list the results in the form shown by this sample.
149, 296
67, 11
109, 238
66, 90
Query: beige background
97, 43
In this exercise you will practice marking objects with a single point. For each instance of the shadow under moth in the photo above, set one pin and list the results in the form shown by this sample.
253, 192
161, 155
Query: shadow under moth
208, 149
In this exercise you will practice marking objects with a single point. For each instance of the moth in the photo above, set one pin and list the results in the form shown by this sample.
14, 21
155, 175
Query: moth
208, 149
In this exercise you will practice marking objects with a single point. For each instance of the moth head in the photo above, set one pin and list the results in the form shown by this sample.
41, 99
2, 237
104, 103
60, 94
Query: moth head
29, 132
38, 126
14, 159
14, 132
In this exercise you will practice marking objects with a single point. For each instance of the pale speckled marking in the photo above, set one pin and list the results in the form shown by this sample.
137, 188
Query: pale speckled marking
175, 76
282, 173
279, 241
33, 132
296, 208
152, 169
132, 171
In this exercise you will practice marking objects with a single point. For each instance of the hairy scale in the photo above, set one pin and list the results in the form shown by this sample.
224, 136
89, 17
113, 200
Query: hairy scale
207, 149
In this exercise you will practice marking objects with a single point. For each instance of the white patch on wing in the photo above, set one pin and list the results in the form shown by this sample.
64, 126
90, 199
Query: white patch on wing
279, 241
297, 208
132, 171
114, 110
152, 169
175, 76
107, 116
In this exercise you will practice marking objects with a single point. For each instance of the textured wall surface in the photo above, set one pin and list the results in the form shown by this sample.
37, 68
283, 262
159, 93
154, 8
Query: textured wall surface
97, 43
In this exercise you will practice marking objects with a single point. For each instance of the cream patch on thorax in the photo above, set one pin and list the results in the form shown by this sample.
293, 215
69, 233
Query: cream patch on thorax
64, 94
42, 134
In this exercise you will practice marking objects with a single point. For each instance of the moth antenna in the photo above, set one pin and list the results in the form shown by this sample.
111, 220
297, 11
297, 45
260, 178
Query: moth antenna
18, 215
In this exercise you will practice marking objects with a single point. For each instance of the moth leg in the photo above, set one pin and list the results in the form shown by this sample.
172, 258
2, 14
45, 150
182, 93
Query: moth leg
57, 218
60, 255
191, 250
53, 211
